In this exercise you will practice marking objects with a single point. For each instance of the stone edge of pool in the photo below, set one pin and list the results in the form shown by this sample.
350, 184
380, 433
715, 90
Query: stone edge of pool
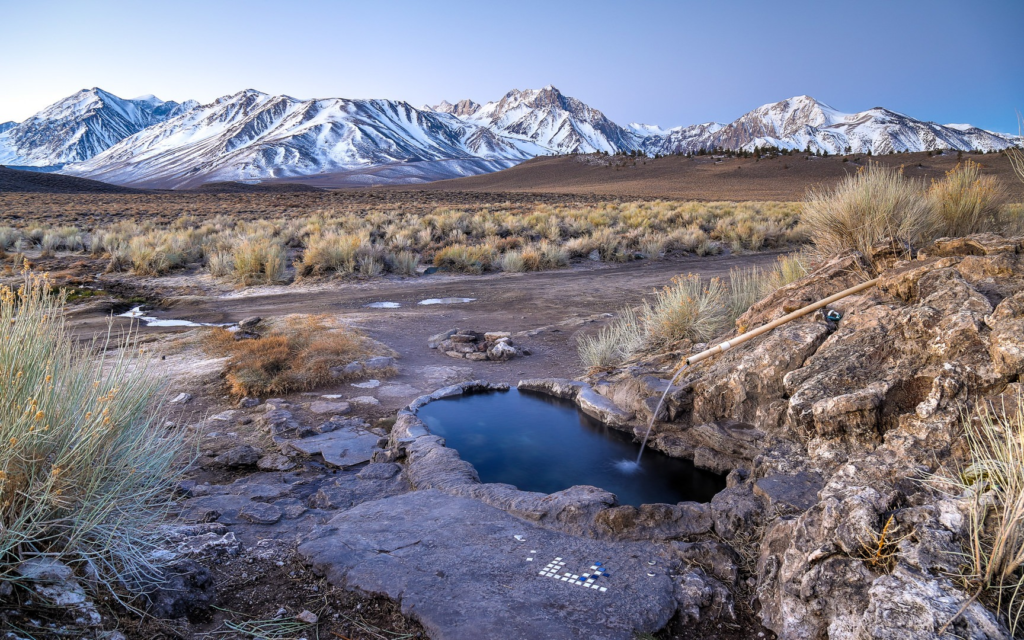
578, 510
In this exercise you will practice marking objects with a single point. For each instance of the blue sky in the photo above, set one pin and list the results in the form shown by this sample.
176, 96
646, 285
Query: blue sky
666, 63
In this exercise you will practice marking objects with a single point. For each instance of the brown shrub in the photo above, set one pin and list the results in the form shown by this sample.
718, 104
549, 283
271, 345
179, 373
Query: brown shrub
295, 355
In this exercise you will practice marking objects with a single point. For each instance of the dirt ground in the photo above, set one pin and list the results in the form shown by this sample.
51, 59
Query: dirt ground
552, 305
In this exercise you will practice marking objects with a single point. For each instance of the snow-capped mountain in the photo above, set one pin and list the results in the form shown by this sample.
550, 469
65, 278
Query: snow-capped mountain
252, 135
803, 122
79, 127
550, 120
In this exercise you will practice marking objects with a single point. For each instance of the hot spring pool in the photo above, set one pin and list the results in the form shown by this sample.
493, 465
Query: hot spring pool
540, 443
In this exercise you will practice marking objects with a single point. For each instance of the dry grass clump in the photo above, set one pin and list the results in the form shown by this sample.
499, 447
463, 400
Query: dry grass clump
877, 203
258, 260
687, 309
330, 253
462, 258
296, 354
993, 479
966, 202
85, 470
614, 343
748, 285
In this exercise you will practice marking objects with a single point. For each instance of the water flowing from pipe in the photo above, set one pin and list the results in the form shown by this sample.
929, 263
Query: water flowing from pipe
657, 410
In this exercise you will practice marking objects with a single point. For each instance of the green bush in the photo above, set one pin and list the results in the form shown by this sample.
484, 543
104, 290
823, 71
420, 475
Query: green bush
86, 470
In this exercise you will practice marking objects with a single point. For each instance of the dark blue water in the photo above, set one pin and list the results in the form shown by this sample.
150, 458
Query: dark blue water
540, 443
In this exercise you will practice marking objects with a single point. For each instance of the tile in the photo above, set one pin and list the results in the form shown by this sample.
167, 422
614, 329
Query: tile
603, 589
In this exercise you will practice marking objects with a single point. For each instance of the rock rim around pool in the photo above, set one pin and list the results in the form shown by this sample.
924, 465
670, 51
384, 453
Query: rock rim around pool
579, 510
494, 346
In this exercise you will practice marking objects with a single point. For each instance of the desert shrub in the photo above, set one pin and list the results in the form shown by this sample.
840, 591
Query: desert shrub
687, 309
297, 354
330, 252
618, 341
370, 265
579, 247
512, 262
404, 263
874, 204
993, 478
748, 285
8, 237
553, 256
966, 202
463, 259
258, 260
220, 263
1012, 217
86, 469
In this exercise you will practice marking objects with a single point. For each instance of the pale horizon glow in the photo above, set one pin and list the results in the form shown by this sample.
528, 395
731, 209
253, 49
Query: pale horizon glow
661, 63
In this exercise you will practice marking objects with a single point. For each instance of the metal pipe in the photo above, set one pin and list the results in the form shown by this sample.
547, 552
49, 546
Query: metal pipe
740, 339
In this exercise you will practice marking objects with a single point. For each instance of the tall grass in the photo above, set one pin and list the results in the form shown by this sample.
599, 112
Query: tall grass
966, 202
614, 343
748, 285
258, 260
875, 204
84, 469
687, 309
994, 479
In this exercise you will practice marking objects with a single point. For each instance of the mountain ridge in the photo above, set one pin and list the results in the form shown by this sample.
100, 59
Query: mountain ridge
251, 135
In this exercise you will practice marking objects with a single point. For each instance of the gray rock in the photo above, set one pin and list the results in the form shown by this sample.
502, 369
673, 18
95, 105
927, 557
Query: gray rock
324, 406
275, 462
240, 456
596, 405
182, 398
210, 544
225, 416
249, 323
43, 569
339, 448
735, 510
379, 471
790, 493
379, 362
307, 617
187, 591
457, 564
249, 402
434, 340
365, 400
260, 513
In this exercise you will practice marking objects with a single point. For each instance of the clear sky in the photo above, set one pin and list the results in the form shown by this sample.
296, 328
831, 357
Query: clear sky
666, 63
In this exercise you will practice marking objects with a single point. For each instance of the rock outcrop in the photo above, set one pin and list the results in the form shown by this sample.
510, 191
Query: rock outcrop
833, 427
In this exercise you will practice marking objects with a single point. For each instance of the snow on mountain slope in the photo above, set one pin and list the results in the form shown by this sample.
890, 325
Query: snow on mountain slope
79, 127
552, 121
4, 126
252, 135
803, 122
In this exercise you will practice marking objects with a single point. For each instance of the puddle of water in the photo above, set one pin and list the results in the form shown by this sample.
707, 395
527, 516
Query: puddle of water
138, 314
384, 305
369, 384
545, 444
445, 301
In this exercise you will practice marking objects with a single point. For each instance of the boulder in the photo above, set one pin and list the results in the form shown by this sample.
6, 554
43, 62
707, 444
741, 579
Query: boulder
240, 456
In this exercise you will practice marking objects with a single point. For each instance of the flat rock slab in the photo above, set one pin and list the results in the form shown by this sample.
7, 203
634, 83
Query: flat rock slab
798, 492
456, 565
339, 448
